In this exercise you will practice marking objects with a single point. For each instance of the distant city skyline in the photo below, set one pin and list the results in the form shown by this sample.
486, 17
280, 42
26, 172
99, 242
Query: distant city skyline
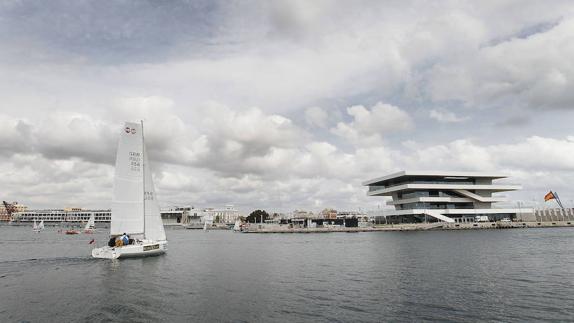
283, 105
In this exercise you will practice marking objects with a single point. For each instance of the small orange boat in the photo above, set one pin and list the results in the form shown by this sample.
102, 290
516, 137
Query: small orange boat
72, 231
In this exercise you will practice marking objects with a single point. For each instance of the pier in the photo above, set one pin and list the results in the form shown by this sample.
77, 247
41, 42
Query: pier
409, 227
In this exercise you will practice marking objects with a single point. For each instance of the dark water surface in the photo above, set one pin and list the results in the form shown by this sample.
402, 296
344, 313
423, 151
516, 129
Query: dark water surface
220, 276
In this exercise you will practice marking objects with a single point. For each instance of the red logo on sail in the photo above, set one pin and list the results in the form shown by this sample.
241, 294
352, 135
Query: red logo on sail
130, 130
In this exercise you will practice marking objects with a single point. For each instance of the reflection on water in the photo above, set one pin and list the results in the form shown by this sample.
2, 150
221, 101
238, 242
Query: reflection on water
114, 264
498, 275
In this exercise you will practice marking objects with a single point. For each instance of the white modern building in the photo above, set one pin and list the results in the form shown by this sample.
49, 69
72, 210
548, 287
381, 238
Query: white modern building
443, 196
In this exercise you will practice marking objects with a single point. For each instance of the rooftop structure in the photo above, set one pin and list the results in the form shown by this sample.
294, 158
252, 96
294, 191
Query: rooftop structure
443, 196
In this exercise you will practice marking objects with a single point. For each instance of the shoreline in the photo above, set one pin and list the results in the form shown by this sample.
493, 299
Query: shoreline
416, 227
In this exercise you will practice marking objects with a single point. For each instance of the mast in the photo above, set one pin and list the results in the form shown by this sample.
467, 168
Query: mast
143, 174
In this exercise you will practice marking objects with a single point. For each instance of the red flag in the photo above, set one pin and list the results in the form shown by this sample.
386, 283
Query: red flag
92, 241
549, 196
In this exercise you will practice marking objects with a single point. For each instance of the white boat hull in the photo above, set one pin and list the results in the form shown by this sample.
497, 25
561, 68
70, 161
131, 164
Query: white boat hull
143, 249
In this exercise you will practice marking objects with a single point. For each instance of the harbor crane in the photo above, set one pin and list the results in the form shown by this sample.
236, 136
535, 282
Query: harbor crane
10, 208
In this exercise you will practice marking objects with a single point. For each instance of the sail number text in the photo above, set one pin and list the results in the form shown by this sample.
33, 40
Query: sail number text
135, 161
148, 196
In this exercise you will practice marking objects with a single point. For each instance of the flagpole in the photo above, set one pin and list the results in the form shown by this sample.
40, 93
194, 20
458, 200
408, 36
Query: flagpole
558, 200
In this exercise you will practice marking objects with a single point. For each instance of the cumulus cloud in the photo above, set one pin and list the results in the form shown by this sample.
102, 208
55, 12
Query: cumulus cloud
368, 125
259, 103
445, 116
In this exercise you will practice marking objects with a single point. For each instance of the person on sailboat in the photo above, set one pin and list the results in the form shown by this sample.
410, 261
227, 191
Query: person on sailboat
125, 239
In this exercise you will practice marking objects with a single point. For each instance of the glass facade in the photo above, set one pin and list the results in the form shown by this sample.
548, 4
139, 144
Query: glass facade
434, 206
429, 193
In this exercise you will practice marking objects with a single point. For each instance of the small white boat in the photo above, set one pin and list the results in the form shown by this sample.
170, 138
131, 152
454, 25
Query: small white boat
91, 225
237, 226
204, 226
135, 210
35, 227
41, 225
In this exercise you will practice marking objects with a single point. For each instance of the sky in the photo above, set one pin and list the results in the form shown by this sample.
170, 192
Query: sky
283, 105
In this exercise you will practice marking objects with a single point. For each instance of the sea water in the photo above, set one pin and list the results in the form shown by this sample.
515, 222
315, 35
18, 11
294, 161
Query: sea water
221, 276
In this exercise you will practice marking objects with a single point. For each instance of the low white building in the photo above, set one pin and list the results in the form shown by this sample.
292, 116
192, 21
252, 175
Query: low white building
227, 214
63, 215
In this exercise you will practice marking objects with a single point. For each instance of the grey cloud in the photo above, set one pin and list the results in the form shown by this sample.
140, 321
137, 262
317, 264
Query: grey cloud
109, 31
514, 121
527, 31
532, 72
101, 63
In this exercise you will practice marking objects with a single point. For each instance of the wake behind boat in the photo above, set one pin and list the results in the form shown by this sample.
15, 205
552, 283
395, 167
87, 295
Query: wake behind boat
135, 211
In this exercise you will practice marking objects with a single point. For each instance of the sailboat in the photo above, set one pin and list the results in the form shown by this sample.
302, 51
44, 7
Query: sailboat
91, 225
237, 225
41, 226
135, 210
35, 227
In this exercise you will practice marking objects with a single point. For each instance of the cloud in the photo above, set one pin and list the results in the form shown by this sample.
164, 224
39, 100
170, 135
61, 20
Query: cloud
273, 104
316, 117
531, 71
368, 125
445, 116
15, 135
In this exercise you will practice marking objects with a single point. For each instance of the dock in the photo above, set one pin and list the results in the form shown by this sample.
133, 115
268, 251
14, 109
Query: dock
409, 227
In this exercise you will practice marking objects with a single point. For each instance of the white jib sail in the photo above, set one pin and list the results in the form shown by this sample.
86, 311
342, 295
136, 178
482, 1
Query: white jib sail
153, 224
91, 223
127, 203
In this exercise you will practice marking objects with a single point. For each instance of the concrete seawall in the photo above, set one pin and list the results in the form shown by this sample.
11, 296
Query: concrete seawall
414, 227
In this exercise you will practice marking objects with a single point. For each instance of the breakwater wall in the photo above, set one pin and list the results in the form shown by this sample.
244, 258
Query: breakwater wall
413, 227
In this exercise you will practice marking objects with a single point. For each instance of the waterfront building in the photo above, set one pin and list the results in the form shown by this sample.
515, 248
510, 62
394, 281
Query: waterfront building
178, 215
63, 215
227, 214
171, 216
328, 214
444, 196
15, 207
301, 214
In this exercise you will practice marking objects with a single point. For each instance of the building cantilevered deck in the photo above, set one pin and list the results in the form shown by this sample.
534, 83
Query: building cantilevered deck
443, 196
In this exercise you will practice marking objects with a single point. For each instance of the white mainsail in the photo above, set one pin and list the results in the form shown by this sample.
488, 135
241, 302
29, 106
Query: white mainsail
153, 224
135, 210
41, 225
91, 223
35, 226
127, 203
